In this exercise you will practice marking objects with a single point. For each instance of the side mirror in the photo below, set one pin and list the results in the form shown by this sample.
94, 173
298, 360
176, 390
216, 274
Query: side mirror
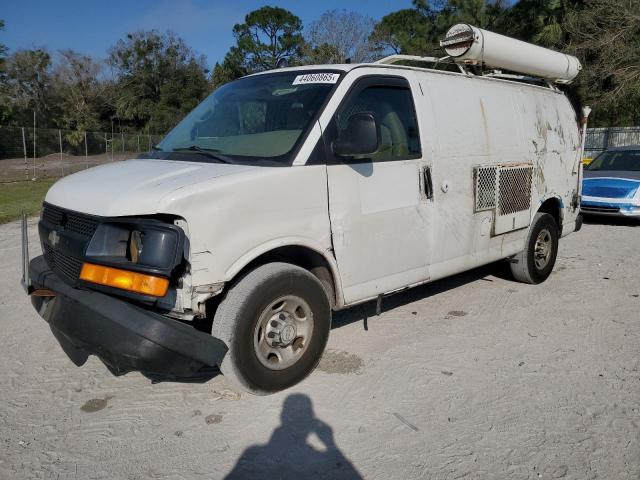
361, 137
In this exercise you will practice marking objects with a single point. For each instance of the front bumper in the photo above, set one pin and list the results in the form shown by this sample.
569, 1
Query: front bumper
125, 337
610, 208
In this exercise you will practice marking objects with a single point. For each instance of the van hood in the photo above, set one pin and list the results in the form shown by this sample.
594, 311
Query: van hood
606, 187
132, 187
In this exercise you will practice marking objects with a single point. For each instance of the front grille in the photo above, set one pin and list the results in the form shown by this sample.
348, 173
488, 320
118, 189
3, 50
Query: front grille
599, 209
74, 231
62, 263
79, 223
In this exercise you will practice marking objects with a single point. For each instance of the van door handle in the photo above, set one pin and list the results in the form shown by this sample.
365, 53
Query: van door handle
428, 183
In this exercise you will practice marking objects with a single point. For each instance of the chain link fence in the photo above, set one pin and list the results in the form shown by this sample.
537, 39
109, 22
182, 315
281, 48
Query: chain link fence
599, 139
32, 154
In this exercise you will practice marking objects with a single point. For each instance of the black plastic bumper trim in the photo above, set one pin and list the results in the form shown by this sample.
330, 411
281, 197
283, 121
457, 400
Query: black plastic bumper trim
125, 337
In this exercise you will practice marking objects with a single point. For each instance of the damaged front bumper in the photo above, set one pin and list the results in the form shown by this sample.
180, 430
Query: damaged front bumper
125, 337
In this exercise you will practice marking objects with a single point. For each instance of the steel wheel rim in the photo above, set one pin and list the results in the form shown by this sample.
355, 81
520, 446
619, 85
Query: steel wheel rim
283, 332
542, 249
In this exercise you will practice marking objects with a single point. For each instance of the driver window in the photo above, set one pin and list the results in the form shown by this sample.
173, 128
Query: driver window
392, 107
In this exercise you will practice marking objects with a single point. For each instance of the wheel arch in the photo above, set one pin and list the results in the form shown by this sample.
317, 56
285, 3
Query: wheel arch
553, 206
321, 264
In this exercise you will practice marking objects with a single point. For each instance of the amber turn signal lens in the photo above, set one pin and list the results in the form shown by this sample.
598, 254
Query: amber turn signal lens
125, 280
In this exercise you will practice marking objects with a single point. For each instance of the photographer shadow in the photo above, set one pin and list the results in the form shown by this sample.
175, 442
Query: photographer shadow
289, 454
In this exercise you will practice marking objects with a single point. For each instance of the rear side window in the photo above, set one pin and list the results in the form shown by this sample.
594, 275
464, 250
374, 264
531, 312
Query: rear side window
392, 107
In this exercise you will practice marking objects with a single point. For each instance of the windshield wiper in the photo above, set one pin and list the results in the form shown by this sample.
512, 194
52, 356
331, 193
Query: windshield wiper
207, 152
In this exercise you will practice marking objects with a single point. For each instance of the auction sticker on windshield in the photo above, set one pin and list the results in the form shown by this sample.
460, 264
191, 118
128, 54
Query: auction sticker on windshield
316, 78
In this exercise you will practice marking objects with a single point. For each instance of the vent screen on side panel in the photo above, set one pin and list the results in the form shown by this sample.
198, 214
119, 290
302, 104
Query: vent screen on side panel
485, 178
514, 189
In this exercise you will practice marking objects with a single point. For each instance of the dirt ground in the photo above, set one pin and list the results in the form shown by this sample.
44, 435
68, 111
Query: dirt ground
53, 166
471, 377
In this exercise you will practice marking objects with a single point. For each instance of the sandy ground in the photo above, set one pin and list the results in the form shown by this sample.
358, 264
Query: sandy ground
471, 377
53, 166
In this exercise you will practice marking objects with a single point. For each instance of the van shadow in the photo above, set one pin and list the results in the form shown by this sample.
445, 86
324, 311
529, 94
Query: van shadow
367, 310
610, 221
289, 455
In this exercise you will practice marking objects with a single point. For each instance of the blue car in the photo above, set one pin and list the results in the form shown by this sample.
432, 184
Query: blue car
611, 184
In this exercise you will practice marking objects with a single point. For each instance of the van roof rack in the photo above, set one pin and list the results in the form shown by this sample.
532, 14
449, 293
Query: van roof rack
448, 60
397, 58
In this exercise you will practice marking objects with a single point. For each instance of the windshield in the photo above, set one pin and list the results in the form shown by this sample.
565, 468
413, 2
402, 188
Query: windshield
254, 120
618, 160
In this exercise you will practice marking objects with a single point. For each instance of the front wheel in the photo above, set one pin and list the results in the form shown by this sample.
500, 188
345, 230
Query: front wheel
535, 263
275, 321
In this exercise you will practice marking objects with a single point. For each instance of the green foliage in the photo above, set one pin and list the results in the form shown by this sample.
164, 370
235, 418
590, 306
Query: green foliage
321, 54
605, 35
231, 68
269, 36
159, 79
82, 96
4, 99
540, 22
418, 30
26, 85
3, 49
409, 31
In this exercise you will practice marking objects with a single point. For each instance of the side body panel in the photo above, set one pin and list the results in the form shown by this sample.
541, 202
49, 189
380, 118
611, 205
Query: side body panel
480, 122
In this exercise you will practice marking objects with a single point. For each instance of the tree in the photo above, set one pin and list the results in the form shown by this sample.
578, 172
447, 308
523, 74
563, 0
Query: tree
3, 49
339, 35
27, 86
268, 38
82, 96
409, 31
231, 68
605, 35
540, 21
480, 13
322, 54
4, 100
418, 30
158, 79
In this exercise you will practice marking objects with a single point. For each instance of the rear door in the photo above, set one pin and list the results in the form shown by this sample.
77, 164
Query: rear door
378, 205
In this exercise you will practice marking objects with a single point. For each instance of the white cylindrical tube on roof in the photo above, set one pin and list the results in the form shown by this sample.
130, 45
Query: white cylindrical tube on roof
469, 44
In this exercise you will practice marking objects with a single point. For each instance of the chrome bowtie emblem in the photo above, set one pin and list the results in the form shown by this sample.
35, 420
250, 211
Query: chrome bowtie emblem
54, 238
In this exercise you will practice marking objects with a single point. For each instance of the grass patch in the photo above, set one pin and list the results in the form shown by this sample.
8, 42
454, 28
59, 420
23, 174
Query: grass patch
17, 197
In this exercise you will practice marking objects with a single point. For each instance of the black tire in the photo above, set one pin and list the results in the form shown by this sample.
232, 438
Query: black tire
245, 304
527, 266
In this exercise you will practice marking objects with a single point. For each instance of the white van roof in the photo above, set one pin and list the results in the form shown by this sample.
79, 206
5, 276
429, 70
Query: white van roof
388, 63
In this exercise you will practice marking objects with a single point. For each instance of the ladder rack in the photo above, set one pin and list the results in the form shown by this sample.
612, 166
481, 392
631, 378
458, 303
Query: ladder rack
435, 61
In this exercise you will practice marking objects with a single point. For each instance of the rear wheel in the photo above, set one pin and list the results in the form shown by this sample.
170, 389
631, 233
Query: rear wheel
275, 321
535, 263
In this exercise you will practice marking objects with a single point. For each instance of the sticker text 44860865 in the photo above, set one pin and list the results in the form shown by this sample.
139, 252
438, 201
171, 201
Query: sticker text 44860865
316, 78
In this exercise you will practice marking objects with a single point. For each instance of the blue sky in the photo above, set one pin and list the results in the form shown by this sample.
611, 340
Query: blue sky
91, 26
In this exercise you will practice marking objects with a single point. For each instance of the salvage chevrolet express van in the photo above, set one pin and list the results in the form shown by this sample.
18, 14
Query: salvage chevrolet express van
289, 194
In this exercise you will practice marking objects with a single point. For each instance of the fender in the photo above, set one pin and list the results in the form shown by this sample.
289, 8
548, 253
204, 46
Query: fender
271, 245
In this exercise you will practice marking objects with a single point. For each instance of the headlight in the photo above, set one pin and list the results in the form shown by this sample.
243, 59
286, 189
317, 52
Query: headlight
135, 246
142, 245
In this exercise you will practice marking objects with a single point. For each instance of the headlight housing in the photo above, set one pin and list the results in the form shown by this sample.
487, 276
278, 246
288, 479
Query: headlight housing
140, 245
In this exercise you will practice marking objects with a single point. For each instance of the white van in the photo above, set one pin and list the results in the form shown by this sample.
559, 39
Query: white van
289, 194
